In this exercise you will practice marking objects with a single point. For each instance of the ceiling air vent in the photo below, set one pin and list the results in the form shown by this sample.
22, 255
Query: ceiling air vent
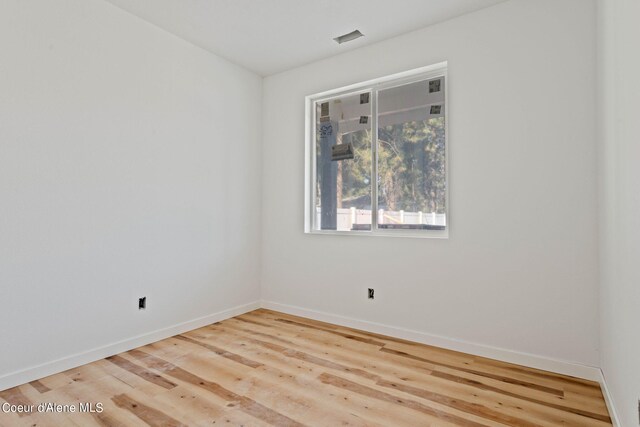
348, 37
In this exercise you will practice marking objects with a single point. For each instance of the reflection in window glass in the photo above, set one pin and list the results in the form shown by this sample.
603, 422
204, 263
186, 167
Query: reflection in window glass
343, 163
411, 157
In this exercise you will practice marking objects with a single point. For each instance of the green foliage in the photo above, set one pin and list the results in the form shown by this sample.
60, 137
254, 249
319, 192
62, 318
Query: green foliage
411, 168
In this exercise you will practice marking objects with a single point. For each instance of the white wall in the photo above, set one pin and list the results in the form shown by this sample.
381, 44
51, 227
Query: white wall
123, 152
620, 203
523, 148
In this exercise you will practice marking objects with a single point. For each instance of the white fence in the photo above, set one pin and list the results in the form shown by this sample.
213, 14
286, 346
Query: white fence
348, 217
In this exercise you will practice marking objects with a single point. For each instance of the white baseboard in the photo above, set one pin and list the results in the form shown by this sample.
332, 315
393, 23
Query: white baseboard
615, 420
591, 373
35, 372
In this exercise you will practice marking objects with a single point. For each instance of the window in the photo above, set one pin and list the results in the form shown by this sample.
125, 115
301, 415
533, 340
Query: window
377, 157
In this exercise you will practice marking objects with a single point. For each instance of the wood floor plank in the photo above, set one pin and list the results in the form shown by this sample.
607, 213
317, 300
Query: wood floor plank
221, 352
56, 381
330, 340
280, 349
508, 380
14, 396
450, 355
205, 407
101, 390
478, 404
477, 365
387, 397
266, 368
332, 331
312, 351
249, 406
151, 416
481, 386
535, 387
292, 386
546, 389
39, 386
358, 360
298, 397
143, 373
540, 373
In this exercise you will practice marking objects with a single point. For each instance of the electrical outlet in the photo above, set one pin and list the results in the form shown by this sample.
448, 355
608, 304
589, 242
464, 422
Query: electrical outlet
142, 303
370, 293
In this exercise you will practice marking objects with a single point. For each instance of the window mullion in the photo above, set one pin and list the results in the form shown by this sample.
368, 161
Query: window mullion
374, 159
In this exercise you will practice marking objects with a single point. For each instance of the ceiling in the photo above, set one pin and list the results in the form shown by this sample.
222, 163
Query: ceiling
269, 36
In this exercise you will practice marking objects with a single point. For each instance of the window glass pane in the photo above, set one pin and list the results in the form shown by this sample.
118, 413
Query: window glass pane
343, 163
411, 156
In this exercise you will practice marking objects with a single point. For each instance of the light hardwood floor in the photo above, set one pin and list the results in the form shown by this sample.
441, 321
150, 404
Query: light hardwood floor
267, 368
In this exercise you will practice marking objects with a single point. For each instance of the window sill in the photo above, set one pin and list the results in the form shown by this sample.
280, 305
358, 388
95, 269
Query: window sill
419, 234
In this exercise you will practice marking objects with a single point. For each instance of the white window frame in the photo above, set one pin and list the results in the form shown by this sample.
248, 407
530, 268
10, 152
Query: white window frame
375, 85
